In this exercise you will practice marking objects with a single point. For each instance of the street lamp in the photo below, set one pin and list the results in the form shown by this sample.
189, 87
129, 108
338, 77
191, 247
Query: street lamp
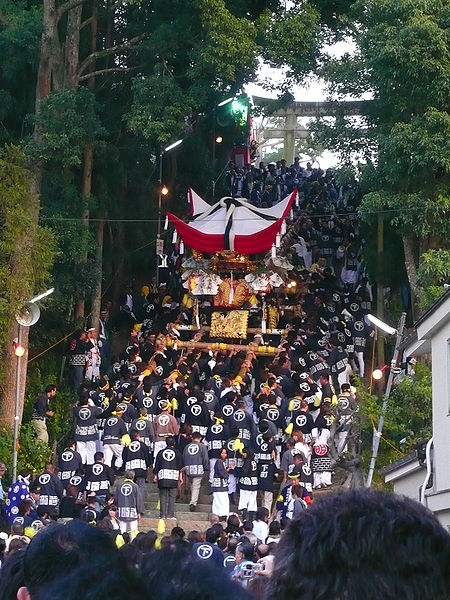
27, 316
160, 194
162, 191
381, 325
377, 434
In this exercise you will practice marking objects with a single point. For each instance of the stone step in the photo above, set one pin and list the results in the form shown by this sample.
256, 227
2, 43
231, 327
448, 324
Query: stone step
181, 507
147, 523
185, 516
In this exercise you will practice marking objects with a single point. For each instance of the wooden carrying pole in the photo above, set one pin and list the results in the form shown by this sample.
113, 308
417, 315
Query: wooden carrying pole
249, 330
214, 346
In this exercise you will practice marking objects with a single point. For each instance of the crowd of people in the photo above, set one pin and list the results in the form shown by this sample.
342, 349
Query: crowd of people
358, 545
253, 426
264, 432
266, 184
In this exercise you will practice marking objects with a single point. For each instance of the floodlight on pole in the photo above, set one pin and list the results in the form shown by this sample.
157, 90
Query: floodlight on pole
162, 192
41, 296
226, 101
27, 316
172, 146
382, 325
378, 432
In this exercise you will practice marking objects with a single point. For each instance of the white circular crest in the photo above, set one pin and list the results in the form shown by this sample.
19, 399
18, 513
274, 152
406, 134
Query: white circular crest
216, 429
196, 410
300, 420
228, 410
163, 420
135, 446
112, 421
359, 326
168, 454
193, 449
273, 414
126, 489
97, 469
44, 478
67, 455
239, 416
343, 403
204, 551
84, 414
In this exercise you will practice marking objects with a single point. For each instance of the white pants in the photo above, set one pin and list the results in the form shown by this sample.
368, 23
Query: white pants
212, 462
342, 441
113, 455
267, 501
231, 484
247, 500
315, 413
322, 478
92, 373
131, 527
221, 504
158, 446
344, 377
360, 358
87, 451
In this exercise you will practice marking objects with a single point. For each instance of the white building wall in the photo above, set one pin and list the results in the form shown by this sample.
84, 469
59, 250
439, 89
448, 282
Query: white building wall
441, 405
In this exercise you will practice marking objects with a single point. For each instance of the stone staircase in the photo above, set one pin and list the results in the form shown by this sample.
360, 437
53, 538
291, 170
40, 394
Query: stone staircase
198, 520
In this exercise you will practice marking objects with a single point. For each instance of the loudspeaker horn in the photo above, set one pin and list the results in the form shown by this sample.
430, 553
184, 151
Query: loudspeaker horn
28, 315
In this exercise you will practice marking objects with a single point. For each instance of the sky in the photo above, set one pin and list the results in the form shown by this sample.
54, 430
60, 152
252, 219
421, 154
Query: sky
313, 90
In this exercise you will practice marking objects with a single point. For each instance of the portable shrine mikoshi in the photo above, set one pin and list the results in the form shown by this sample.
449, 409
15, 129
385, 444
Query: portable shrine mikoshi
234, 279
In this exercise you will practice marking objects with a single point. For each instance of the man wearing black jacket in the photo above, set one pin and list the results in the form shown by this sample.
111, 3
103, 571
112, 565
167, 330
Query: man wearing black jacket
168, 474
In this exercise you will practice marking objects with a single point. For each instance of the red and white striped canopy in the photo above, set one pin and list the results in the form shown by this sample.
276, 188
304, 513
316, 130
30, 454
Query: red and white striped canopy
231, 224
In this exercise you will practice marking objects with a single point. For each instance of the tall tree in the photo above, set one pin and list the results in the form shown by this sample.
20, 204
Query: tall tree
402, 61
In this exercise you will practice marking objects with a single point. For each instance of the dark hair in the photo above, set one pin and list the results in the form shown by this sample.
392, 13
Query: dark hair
387, 547
274, 528
170, 441
178, 532
194, 537
262, 512
11, 575
98, 456
49, 388
190, 578
214, 533
62, 558
247, 526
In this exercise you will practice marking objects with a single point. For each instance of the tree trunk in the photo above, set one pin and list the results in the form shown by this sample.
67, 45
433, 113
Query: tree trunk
411, 269
97, 294
119, 250
88, 163
380, 299
86, 194
72, 48
24, 244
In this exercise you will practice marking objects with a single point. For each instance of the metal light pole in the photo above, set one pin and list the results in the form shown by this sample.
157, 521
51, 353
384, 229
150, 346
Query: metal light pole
27, 316
378, 432
158, 237
17, 403
160, 192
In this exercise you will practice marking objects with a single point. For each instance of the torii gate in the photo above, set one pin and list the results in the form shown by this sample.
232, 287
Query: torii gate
291, 130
